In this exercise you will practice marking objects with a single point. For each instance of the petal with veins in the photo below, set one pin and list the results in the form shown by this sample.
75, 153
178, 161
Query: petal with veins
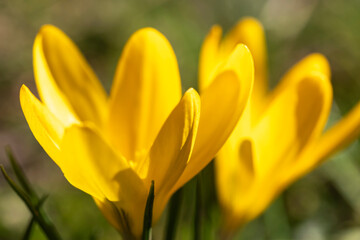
66, 83
146, 89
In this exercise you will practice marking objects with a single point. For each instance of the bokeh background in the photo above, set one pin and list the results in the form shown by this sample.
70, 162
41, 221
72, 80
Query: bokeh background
322, 205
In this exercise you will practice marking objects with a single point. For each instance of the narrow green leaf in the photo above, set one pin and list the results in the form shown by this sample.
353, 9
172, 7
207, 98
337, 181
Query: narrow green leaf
40, 217
41, 201
31, 224
173, 215
16, 188
147, 228
29, 228
19, 173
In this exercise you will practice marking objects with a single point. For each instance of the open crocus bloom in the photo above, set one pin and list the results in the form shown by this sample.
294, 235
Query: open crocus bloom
280, 136
113, 147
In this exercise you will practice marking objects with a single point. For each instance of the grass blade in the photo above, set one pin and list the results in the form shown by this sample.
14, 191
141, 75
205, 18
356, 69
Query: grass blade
19, 173
43, 221
29, 228
173, 215
147, 228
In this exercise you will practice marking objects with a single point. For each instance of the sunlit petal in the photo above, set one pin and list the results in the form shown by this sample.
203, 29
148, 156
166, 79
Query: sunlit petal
222, 104
146, 88
90, 164
47, 129
209, 57
66, 83
250, 32
173, 147
340, 135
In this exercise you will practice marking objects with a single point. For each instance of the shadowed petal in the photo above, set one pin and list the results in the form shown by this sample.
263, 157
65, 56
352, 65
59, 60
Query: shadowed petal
315, 62
234, 169
336, 138
294, 118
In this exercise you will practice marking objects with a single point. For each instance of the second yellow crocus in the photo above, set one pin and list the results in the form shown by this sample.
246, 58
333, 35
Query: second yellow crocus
280, 137
112, 147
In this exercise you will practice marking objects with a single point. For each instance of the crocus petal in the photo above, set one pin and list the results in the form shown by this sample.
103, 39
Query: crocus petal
209, 58
172, 148
307, 104
250, 32
302, 110
335, 139
340, 135
128, 221
47, 129
91, 165
234, 168
115, 218
65, 81
314, 62
167, 159
178, 135
222, 104
146, 89
126, 215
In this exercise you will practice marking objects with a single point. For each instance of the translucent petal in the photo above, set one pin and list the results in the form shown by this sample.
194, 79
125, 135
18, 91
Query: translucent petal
336, 138
209, 57
90, 164
146, 89
250, 32
172, 148
294, 118
222, 104
47, 129
315, 62
66, 83
340, 135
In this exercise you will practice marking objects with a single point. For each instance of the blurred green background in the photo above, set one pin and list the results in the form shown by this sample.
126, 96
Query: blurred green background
323, 205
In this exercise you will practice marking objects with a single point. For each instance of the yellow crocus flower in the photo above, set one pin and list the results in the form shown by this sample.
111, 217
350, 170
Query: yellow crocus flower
280, 136
112, 147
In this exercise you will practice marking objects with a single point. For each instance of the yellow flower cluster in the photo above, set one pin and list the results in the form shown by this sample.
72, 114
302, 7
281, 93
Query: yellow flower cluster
280, 135
113, 146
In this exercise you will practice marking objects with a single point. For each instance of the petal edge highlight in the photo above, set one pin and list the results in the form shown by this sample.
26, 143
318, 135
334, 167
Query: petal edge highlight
66, 82
228, 94
46, 128
146, 89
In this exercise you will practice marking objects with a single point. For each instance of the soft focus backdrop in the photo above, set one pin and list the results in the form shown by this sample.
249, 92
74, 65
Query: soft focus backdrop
323, 205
